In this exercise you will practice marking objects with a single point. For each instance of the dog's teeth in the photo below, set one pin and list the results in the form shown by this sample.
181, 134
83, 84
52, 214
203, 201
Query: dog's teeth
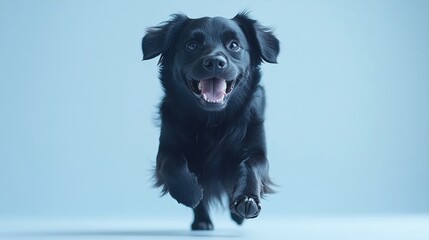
200, 86
210, 100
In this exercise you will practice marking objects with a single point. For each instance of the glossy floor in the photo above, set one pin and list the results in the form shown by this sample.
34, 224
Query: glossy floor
375, 227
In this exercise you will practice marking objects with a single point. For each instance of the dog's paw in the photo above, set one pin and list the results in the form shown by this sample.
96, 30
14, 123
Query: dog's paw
202, 225
245, 207
239, 220
187, 191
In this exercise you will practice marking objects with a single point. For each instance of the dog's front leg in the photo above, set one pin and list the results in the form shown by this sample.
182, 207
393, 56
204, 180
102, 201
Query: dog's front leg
252, 178
173, 172
245, 201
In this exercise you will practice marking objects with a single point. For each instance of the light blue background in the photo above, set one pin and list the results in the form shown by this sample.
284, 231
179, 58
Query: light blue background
347, 115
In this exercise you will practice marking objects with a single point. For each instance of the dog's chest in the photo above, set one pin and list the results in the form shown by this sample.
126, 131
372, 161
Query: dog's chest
215, 147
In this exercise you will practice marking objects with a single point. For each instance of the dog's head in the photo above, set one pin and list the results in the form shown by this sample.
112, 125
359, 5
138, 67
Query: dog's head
210, 60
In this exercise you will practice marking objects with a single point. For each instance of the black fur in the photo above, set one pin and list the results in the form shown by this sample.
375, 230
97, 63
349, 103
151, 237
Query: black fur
208, 149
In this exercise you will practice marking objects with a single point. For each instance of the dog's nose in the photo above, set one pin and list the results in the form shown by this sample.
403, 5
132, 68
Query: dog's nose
214, 62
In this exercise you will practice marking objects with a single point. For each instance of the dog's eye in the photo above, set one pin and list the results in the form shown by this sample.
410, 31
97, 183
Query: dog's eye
234, 46
191, 46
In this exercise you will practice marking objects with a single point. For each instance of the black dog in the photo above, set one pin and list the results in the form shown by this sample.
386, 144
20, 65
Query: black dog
212, 141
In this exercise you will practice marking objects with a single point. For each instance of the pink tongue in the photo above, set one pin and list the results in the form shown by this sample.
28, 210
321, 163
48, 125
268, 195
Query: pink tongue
213, 89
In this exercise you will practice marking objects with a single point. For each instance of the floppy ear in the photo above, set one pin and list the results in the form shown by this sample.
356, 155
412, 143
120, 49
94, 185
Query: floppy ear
158, 39
259, 37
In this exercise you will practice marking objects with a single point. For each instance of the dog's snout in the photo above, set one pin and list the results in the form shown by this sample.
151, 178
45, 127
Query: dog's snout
212, 63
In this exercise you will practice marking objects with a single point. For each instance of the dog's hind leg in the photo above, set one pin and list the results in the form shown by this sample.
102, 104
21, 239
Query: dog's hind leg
201, 218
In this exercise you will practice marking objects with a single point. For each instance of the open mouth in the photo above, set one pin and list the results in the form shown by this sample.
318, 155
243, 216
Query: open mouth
212, 90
